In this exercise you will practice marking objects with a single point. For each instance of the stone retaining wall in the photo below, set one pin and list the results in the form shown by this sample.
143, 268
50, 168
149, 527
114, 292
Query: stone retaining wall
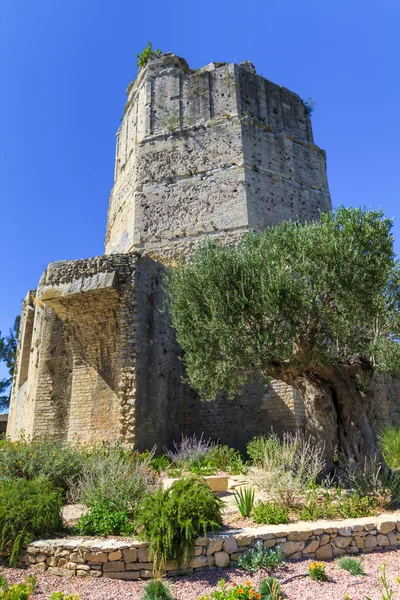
117, 559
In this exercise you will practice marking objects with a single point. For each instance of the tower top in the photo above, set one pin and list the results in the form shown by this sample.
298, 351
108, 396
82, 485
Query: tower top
210, 152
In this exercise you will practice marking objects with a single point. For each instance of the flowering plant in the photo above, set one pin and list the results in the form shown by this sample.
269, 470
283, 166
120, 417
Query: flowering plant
316, 570
236, 592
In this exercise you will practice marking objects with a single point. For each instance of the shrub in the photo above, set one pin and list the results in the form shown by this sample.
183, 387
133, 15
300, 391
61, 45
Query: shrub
143, 57
62, 596
157, 590
18, 591
270, 513
59, 463
352, 565
174, 518
285, 469
190, 452
236, 592
354, 506
224, 458
28, 509
316, 571
260, 557
270, 589
389, 439
107, 518
114, 474
244, 498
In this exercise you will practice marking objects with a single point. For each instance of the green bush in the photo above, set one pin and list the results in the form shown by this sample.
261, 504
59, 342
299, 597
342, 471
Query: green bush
260, 557
352, 565
107, 518
174, 518
28, 509
112, 474
270, 513
244, 498
354, 506
59, 463
62, 596
224, 458
389, 439
18, 591
263, 448
270, 589
157, 590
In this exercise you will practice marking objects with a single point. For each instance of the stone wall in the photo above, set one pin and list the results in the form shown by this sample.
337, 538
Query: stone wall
123, 559
3, 424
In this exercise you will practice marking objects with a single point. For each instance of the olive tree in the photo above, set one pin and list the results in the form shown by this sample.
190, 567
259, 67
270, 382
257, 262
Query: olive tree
315, 305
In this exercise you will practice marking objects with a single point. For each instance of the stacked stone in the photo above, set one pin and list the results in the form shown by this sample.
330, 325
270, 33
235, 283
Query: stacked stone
322, 540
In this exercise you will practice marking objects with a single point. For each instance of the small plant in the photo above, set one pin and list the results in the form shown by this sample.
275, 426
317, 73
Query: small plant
316, 571
189, 452
171, 520
157, 590
244, 498
224, 458
386, 591
18, 591
270, 513
28, 509
62, 596
354, 506
352, 565
144, 56
389, 439
260, 557
236, 592
107, 518
309, 105
270, 589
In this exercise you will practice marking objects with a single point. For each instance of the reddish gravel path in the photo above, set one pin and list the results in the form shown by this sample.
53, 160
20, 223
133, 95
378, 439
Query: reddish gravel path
189, 588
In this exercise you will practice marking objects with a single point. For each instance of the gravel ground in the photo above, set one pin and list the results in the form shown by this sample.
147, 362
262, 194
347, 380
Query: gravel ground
339, 584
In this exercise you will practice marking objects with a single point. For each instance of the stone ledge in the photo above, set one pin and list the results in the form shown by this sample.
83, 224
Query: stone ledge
123, 559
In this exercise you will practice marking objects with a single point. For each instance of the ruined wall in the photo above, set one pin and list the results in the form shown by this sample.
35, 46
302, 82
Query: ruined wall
212, 152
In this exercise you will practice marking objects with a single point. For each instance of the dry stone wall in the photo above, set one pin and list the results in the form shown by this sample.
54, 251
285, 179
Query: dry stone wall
131, 560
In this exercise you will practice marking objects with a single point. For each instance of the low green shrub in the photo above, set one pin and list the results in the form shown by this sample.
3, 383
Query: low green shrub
112, 474
389, 439
28, 509
270, 513
59, 463
317, 571
157, 590
260, 557
224, 458
334, 505
107, 518
244, 498
235, 592
352, 565
353, 506
171, 520
270, 589
263, 448
18, 591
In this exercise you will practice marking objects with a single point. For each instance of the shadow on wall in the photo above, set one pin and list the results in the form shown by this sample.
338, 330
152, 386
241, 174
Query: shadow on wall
3, 424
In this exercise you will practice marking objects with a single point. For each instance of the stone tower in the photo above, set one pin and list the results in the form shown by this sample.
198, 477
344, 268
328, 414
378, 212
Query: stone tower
213, 152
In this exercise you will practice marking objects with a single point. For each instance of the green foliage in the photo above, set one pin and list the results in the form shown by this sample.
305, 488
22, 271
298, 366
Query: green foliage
18, 591
389, 439
270, 589
335, 505
8, 349
354, 506
387, 592
112, 474
224, 458
270, 513
157, 590
62, 596
144, 56
352, 565
107, 518
296, 296
260, 557
174, 518
28, 509
309, 105
60, 463
285, 469
317, 572
236, 592
244, 498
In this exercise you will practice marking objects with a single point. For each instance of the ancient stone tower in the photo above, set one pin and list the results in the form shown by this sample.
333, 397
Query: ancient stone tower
213, 152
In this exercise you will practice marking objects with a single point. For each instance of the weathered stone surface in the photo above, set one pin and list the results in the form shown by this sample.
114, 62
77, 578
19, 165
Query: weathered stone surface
198, 562
311, 547
117, 565
292, 547
371, 541
127, 575
382, 540
324, 552
215, 545
95, 557
130, 555
385, 526
343, 542
299, 536
222, 559
230, 545
115, 555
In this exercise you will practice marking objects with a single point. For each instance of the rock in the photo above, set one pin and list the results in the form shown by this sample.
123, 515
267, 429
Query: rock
342, 542
117, 555
143, 554
371, 541
345, 531
130, 555
382, 540
324, 552
385, 526
198, 550
270, 543
114, 566
222, 559
360, 541
75, 557
127, 575
311, 547
290, 548
211, 561
198, 562
230, 545
95, 557
299, 536
215, 545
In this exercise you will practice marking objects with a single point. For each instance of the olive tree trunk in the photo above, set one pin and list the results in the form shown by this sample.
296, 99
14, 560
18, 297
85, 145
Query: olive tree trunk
339, 415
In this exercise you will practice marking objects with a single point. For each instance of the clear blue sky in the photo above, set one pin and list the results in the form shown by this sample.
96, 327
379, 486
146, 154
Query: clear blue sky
64, 68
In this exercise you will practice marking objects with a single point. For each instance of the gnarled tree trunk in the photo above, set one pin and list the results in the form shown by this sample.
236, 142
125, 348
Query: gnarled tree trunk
339, 415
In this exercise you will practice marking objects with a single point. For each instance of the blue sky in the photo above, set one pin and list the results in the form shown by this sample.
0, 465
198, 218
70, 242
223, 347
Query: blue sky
64, 68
